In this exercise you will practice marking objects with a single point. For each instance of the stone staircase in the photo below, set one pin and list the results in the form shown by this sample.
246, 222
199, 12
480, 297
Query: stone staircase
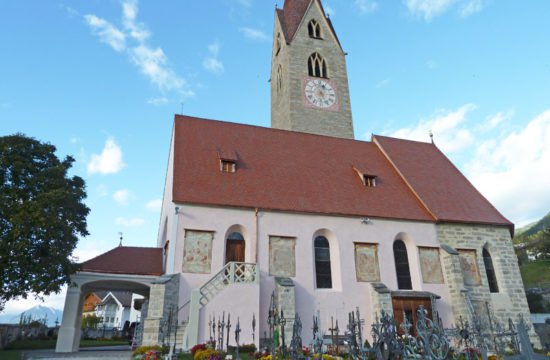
231, 273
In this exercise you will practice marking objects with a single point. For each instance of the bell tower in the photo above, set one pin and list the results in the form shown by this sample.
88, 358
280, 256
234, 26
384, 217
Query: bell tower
309, 83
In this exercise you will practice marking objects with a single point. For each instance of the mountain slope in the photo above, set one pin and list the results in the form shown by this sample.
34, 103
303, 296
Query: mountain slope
37, 312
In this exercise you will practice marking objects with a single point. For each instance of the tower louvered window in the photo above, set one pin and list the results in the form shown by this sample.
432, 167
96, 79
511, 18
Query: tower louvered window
317, 66
314, 29
490, 270
402, 265
323, 274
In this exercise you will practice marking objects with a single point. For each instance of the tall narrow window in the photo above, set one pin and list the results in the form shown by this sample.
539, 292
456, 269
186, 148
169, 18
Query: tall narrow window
279, 78
402, 265
490, 270
314, 29
317, 66
322, 263
278, 44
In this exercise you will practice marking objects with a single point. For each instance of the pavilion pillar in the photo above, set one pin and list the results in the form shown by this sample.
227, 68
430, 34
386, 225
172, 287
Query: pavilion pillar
68, 339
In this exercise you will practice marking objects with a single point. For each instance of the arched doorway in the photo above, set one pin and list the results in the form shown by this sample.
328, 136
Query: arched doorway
234, 247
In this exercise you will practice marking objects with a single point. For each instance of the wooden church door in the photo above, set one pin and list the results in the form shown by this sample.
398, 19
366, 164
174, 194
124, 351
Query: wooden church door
407, 306
234, 248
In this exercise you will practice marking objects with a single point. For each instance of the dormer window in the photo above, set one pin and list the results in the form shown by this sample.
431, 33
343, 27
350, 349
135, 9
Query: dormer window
228, 166
228, 160
314, 29
369, 180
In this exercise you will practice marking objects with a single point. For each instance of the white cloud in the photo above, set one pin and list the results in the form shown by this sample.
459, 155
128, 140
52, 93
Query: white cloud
446, 126
17, 306
102, 190
122, 197
106, 32
132, 38
157, 101
429, 9
138, 31
329, 10
245, 3
212, 63
130, 222
151, 63
254, 34
495, 120
154, 205
513, 171
109, 161
383, 83
471, 7
366, 6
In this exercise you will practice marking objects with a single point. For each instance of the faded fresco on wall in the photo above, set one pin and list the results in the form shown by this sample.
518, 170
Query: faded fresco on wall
282, 258
366, 262
470, 271
430, 265
197, 252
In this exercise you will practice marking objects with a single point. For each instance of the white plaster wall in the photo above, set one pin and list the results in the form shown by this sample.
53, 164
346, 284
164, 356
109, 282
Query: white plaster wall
343, 232
239, 300
165, 224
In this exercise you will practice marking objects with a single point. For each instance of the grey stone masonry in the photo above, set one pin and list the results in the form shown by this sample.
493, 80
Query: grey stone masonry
288, 109
510, 301
381, 300
286, 301
163, 297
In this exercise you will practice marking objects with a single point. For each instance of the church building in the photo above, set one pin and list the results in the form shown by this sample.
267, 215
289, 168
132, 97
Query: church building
303, 216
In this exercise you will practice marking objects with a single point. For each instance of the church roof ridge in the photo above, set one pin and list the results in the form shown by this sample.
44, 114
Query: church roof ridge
308, 173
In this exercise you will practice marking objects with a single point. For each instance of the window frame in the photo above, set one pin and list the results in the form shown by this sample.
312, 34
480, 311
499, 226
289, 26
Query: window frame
323, 268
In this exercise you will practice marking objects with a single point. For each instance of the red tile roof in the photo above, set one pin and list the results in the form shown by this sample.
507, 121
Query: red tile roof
127, 260
291, 15
444, 190
285, 170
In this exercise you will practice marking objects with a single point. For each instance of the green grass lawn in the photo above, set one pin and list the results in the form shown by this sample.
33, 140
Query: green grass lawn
535, 273
10, 354
50, 344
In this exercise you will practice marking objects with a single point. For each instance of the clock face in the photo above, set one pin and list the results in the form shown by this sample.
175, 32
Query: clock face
320, 93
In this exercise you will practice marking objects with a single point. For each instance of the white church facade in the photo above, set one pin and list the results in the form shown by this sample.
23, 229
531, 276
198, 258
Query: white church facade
303, 212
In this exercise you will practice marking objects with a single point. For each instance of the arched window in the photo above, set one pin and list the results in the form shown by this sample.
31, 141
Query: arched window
279, 78
490, 270
322, 263
278, 44
402, 265
317, 66
314, 29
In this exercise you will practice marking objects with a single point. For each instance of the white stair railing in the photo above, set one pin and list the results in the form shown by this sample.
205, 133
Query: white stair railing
231, 273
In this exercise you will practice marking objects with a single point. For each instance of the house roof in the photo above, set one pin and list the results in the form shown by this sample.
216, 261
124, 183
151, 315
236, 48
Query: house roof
124, 297
287, 171
444, 190
127, 260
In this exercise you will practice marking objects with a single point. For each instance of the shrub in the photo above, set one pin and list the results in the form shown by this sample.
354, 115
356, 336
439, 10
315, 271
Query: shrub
206, 354
142, 350
197, 347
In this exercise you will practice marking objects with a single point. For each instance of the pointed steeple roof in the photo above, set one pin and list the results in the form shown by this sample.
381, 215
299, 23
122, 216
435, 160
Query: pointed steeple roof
291, 15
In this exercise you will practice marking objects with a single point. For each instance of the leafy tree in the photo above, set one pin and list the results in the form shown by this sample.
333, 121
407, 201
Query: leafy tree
41, 216
91, 322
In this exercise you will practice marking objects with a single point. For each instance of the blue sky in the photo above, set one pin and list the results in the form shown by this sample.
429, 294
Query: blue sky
102, 80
